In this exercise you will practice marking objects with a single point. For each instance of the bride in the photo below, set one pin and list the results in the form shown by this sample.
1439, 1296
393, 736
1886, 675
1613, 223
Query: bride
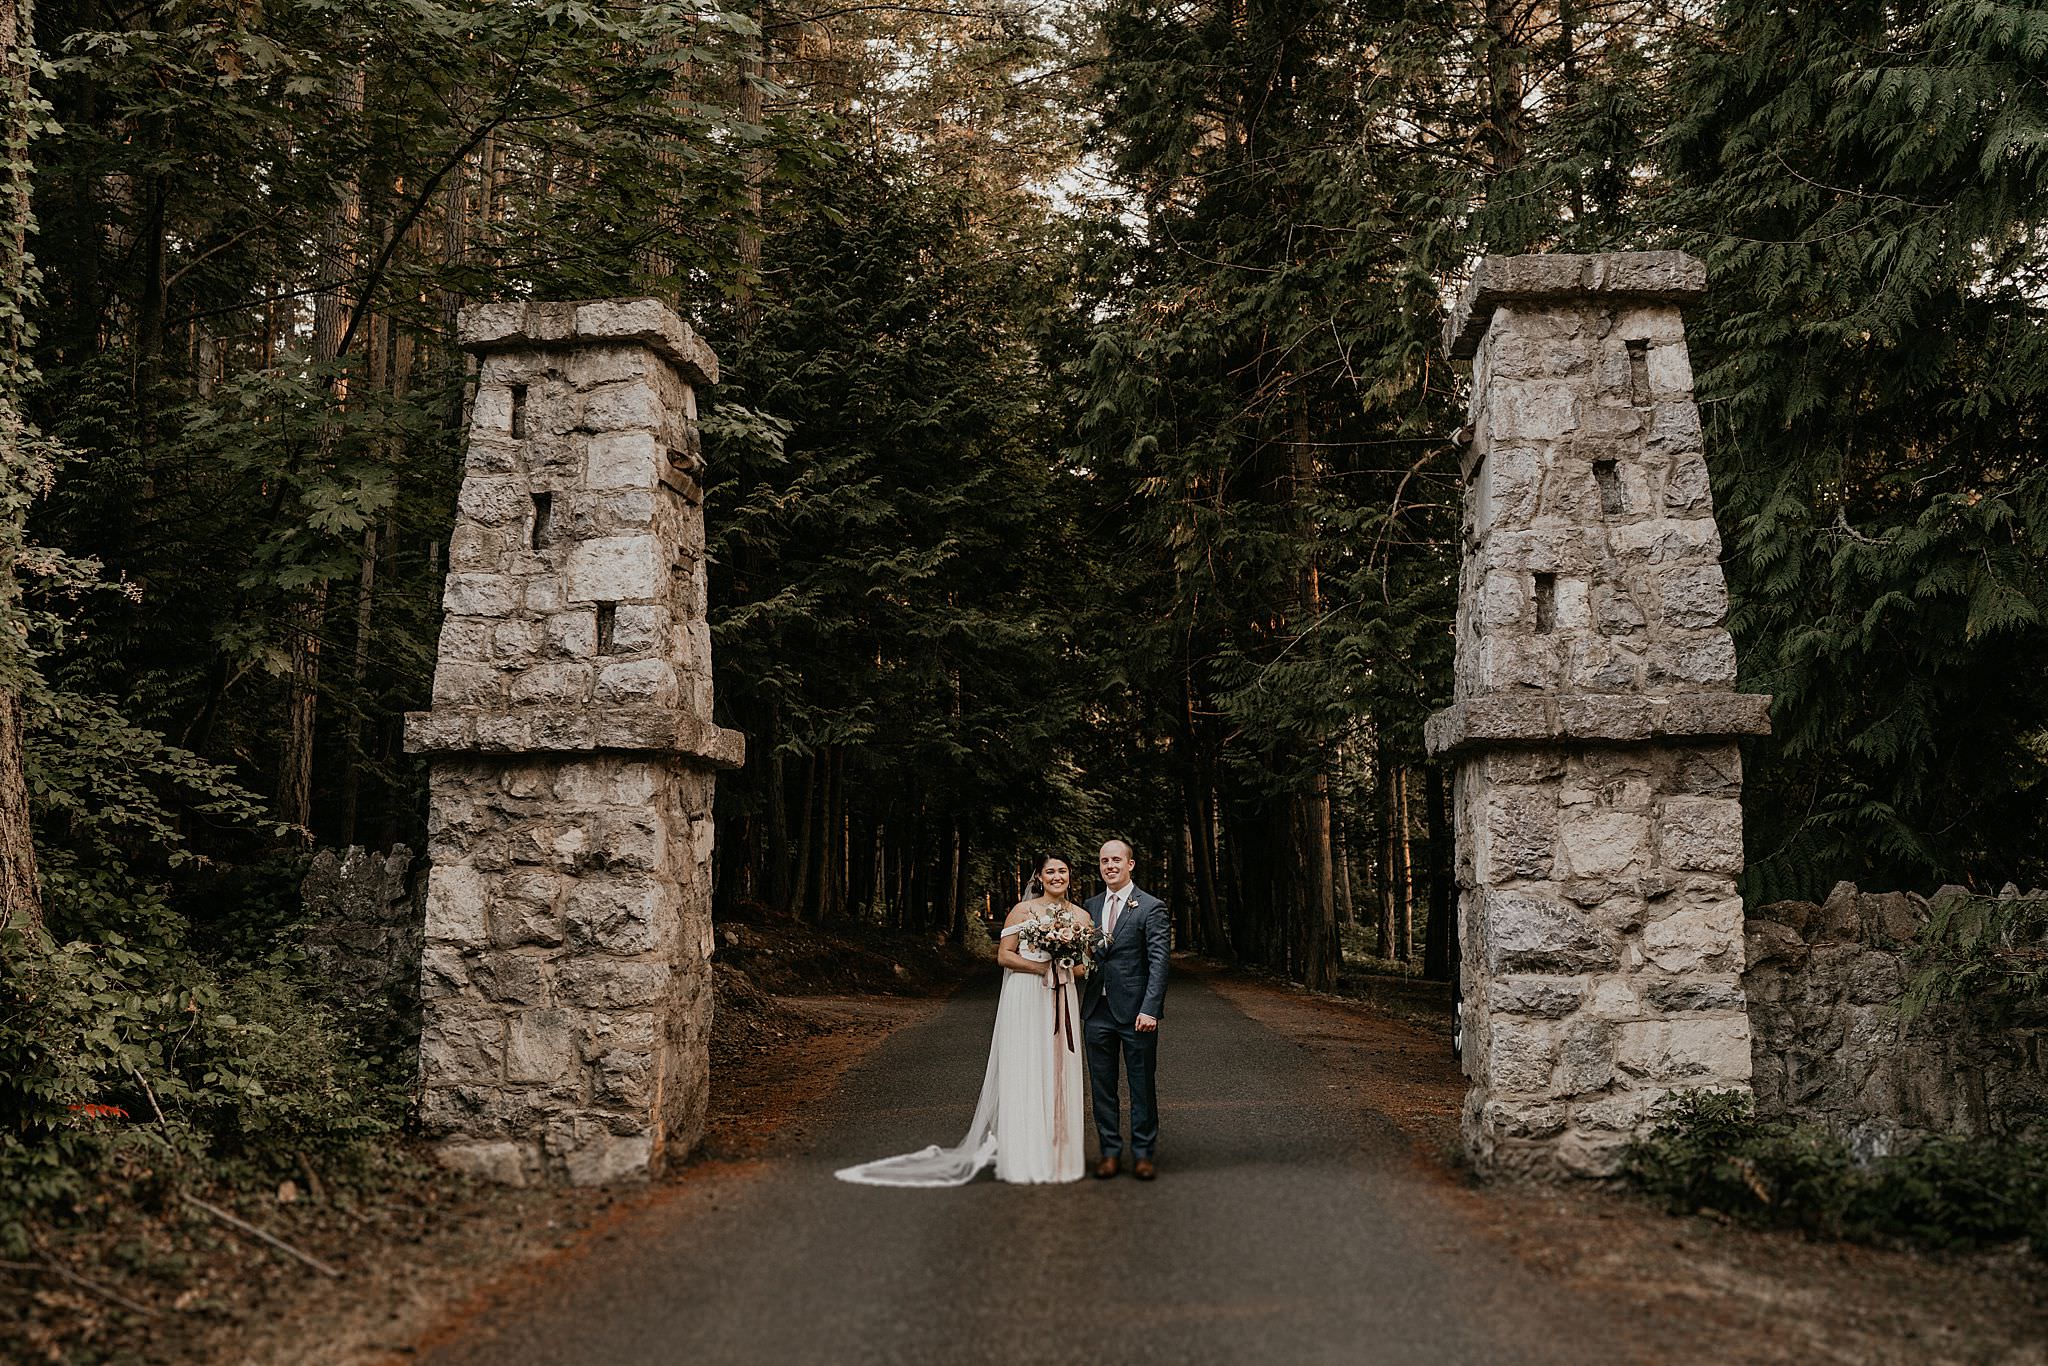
1033, 1096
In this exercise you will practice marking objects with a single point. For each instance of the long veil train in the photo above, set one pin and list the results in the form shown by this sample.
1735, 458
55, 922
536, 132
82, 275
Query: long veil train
939, 1166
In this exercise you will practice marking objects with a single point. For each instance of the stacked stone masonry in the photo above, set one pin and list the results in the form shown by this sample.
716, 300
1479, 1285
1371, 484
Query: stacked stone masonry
566, 981
362, 931
1598, 785
1832, 1047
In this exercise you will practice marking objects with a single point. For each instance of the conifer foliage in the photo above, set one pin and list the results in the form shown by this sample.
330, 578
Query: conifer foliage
1082, 466
1267, 410
1869, 186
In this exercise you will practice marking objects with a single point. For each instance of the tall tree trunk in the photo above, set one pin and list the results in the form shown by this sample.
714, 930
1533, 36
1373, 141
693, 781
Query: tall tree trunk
21, 893
1209, 834
896, 880
352, 774
1568, 40
840, 845
755, 73
779, 873
21, 900
1198, 799
1504, 133
828, 837
1315, 948
932, 876
912, 873
1384, 930
860, 863
800, 856
396, 376
878, 882
455, 209
305, 616
462, 213
1246, 941
1404, 905
1177, 887
1340, 842
1201, 825
1440, 935
956, 887
839, 839
149, 318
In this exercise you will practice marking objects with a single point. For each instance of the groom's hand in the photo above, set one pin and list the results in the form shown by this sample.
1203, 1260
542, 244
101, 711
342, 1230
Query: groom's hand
1146, 1024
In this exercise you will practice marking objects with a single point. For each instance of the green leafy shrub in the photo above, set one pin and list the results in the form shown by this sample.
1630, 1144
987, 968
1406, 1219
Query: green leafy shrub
1707, 1150
1959, 1192
302, 1082
75, 1037
127, 1060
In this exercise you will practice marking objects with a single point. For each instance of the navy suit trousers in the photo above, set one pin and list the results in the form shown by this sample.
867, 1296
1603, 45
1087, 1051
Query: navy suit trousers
1107, 1041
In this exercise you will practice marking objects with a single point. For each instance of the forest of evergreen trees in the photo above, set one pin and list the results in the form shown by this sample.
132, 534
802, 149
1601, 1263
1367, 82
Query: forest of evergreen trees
1084, 462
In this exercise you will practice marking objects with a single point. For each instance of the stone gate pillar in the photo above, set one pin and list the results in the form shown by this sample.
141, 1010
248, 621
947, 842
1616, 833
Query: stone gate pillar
566, 976
1597, 783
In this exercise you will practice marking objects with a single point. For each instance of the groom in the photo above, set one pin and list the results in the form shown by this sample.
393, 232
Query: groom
1120, 1009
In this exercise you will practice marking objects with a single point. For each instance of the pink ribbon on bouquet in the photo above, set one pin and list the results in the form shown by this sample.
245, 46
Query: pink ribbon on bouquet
1062, 1018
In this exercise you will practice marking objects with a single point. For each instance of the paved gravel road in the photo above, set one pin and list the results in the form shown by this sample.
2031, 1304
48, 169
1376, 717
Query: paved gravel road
1287, 1225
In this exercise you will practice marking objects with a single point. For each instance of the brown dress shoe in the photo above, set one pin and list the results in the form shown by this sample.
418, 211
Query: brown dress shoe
1142, 1169
1107, 1167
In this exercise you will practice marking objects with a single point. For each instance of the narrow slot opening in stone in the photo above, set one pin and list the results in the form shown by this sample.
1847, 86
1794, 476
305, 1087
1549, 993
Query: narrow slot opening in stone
1639, 373
543, 510
518, 410
1546, 602
1612, 499
607, 626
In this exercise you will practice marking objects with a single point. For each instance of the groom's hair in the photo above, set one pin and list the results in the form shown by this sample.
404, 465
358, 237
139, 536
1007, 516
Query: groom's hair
1130, 850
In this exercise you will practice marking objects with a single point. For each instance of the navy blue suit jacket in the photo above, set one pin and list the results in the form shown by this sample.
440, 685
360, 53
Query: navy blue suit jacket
1131, 977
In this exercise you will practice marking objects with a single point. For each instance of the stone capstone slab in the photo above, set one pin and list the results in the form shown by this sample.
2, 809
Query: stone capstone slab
646, 322
1644, 276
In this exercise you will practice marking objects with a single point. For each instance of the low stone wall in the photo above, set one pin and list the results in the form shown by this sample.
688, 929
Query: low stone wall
363, 915
1828, 1045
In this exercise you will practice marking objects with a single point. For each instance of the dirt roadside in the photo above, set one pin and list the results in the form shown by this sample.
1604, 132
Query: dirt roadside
415, 1246
482, 1251
1689, 1289
425, 1258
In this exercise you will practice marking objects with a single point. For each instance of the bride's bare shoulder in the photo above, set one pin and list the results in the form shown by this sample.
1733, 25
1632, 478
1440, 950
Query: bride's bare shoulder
1023, 910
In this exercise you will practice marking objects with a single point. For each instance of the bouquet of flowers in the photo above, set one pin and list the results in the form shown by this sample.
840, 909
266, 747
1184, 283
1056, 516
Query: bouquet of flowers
1068, 940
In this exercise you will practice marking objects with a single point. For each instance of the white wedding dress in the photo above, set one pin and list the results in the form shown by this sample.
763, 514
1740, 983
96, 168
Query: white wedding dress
1034, 1096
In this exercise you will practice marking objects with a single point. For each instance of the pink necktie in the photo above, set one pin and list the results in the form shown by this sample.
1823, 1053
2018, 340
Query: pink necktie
1109, 920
